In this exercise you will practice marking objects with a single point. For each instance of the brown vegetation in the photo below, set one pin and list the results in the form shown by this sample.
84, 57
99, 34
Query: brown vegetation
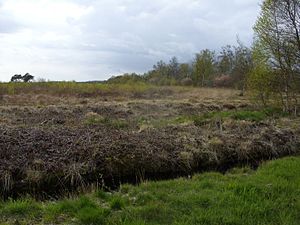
62, 144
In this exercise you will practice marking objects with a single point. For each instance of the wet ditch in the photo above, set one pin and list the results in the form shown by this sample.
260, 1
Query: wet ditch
54, 162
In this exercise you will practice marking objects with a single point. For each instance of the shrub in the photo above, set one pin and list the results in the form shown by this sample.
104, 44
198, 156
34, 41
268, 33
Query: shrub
186, 82
222, 81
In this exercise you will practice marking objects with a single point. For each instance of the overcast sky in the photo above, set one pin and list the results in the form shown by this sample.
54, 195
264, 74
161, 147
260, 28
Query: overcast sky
94, 39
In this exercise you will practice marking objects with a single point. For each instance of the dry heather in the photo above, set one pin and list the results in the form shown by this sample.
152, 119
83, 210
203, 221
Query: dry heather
58, 146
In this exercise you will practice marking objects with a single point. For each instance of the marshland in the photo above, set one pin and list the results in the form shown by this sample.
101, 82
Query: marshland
208, 136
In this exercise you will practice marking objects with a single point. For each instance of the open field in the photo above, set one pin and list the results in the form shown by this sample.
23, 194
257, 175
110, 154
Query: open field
53, 143
270, 195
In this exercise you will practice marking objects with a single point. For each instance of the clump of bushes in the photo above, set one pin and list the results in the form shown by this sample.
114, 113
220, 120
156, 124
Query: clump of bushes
222, 81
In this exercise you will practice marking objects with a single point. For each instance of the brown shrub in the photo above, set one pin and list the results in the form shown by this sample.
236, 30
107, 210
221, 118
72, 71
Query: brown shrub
186, 82
222, 81
69, 158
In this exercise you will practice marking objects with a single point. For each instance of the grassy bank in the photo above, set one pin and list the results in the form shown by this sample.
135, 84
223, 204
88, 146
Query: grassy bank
113, 91
270, 195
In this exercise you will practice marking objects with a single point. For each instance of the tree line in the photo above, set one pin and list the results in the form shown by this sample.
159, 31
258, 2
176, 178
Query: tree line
269, 69
228, 68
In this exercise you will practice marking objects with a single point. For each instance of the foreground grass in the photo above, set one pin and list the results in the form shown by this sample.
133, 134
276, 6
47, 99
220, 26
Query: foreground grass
270, 195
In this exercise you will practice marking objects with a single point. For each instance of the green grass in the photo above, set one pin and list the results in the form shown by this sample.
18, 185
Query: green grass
254, 116
117, 203
163, 122
74, 88
270, 195
199, 120
248, 115
96, 119
22, 207
92, 215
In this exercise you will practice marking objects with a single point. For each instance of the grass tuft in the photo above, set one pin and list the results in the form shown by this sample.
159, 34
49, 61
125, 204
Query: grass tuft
95, 216
20, 207
101, 194
117, 203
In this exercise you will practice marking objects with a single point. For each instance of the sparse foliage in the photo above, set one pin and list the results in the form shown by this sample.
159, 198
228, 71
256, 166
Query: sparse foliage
277, 36
203, 67
226, 60
243, 64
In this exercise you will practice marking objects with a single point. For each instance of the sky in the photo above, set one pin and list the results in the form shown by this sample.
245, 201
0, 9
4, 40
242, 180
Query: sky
94, 39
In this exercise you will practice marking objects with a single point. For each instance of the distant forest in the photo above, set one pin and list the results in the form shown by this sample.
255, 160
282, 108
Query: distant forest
229, 68
269, 69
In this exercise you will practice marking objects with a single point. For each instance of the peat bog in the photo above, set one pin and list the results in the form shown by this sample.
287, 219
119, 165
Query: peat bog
56, 143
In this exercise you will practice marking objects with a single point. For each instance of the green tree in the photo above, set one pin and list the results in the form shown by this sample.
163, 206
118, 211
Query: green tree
18, 77
226, 60
161, 68
203, 67
242, 66
262, 82
185, 70
174, 68
277, 31
27, 77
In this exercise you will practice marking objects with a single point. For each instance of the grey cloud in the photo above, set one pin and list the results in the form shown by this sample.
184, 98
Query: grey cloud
130, 35
154, 28
7, 23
